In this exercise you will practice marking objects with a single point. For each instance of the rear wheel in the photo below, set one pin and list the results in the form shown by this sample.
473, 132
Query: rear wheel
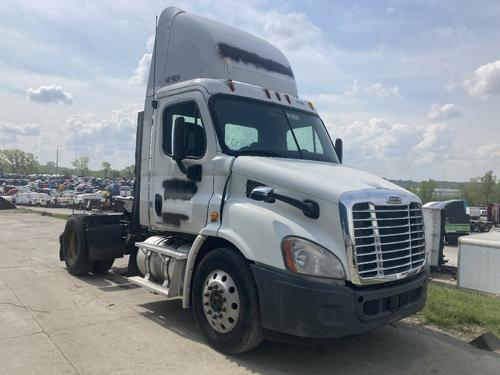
486, 227
74, 247
225, 302
102, 266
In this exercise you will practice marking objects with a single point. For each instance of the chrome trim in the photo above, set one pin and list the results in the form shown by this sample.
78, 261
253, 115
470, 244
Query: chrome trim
376, 197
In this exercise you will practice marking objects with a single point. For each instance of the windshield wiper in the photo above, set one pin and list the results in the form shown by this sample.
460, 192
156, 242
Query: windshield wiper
260, 153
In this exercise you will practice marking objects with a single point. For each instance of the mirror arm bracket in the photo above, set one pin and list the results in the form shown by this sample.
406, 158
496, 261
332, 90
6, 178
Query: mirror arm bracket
192, 172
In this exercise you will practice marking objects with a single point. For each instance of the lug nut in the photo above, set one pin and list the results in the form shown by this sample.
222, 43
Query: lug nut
209, 312
219, 316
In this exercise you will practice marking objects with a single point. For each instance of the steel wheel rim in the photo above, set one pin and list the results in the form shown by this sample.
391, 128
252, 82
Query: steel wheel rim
221, 301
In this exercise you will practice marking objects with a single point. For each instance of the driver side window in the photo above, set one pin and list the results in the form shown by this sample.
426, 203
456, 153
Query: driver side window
195, 132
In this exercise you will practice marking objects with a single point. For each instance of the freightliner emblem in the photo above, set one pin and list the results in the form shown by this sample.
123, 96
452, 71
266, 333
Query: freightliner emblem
394, 200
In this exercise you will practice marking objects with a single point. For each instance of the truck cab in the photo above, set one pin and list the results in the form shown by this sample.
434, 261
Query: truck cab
243, 208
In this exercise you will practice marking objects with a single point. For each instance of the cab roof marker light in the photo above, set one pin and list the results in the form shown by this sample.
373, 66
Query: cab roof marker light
268, 94
311, 105
230, 83
278, 96
288, 99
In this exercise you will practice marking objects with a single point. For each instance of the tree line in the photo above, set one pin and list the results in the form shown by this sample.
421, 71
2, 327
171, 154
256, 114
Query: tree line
25, 163
483, 190
478, 191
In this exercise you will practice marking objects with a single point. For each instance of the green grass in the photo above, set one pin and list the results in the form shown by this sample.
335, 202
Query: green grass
462, 311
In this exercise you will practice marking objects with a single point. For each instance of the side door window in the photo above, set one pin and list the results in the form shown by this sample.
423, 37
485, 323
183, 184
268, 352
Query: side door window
196, 142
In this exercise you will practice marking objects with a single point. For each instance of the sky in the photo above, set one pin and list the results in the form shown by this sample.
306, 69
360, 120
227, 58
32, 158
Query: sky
412, 87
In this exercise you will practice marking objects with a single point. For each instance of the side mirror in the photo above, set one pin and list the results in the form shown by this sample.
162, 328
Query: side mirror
338, 149
262, 193
179, 143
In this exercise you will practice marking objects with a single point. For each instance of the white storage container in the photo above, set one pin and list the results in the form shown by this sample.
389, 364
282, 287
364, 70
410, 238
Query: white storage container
479, 262
432, 227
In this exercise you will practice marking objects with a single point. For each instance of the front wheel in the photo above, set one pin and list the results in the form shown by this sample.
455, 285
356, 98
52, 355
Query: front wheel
226, 303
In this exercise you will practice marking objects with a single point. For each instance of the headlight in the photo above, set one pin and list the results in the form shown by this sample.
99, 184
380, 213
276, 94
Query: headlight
306, 257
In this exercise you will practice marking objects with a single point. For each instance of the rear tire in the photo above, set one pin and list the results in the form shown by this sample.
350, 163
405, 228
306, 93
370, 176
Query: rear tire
74, 249
102, 266
244, 331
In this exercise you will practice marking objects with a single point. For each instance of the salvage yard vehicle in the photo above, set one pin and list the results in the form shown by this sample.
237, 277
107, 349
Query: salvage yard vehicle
242, 207
478, 222
456, 221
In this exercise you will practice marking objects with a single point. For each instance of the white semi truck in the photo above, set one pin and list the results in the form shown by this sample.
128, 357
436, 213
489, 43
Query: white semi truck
242, 207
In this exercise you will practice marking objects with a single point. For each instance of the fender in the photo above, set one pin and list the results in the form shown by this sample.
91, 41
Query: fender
188, 274
193, 257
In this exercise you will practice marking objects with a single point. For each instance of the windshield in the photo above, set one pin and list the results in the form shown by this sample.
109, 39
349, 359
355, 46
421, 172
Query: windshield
248, 127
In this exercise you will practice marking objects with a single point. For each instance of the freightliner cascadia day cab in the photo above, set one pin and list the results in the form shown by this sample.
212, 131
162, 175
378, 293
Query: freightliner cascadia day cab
242, 207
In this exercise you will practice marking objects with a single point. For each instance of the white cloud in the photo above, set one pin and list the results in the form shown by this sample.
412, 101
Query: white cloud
489, 151
353, 90
49, 94
435, 138
451, 85
445, 111
150, 43
140, 75
109, 138
383, 147
485, 80
292, 31
7, 139
383, 92
13, 129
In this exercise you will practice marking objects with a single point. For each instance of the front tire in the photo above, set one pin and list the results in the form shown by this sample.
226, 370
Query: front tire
225, 302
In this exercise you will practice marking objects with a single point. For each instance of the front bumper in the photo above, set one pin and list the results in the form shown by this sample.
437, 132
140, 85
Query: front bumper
321, 308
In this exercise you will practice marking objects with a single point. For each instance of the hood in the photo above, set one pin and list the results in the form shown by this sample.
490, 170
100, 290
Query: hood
323, 180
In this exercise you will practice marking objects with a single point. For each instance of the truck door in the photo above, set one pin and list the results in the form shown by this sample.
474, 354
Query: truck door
177, 203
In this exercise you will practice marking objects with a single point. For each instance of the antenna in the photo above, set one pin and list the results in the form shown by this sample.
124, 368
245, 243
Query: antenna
154, 103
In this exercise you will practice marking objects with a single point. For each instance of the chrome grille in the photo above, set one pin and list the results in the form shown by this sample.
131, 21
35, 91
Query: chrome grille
387, 239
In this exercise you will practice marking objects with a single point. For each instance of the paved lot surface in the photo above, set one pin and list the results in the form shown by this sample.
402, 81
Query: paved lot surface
54, 323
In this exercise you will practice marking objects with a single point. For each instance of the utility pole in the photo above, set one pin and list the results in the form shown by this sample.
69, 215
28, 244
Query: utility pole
57, 159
